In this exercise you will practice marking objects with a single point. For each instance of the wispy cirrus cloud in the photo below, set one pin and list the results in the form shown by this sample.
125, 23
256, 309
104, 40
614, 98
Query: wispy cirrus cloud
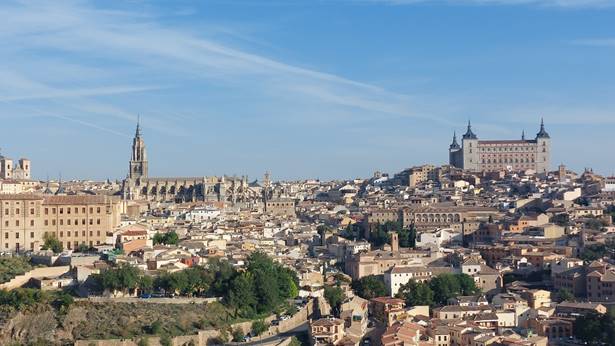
542, 3
84, 33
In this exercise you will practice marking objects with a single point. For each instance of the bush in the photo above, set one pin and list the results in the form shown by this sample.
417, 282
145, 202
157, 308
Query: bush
11, 267
165, 340
143, 342
259, 327
238, 335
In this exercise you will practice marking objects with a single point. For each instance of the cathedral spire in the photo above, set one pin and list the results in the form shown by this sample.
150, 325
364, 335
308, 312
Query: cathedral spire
523, 135
138, 131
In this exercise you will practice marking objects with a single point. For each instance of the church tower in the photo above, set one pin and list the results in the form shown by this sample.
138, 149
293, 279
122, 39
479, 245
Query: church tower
138, 159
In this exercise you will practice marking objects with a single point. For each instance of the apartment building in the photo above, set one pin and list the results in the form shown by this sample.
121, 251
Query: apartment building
25, 219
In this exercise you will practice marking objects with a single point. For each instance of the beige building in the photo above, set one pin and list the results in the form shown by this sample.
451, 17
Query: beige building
10, 170
498, 155
74, 220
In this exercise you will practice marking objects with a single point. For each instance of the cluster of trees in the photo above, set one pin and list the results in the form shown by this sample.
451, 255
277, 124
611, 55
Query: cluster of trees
437, 291
260, 289
22, 298
597, 251
168, 238
369, 287
381, 234
13, 266
595, 329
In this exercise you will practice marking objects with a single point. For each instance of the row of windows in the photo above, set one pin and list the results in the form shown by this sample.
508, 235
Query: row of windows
521, 160
68, 234
508, 149
53, 210
53, 222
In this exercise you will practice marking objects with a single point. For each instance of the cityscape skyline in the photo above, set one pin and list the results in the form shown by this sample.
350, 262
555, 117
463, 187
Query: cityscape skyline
229, 83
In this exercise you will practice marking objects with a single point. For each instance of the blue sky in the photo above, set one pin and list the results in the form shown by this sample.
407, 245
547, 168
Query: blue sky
319, 88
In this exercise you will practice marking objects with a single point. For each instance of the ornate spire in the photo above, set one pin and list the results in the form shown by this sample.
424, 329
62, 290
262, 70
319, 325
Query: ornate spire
469, 134
454, 144
542, 133
523, 135
138, 132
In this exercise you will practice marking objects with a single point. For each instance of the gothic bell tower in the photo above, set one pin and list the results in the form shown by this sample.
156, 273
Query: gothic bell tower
138, 159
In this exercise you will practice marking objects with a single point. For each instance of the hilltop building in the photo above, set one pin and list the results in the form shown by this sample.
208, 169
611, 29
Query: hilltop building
497, 155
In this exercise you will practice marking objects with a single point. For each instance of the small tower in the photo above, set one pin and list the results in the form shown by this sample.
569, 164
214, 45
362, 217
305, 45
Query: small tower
394, 242
543, 149
469, 144
454, 153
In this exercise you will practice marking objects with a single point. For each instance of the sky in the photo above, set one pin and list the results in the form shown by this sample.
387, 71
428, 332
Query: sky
300, 88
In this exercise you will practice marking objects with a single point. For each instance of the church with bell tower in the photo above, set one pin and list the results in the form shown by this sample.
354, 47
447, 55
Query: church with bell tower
498, 155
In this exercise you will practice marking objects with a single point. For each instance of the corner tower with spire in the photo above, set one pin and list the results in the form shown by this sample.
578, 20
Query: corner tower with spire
138, 158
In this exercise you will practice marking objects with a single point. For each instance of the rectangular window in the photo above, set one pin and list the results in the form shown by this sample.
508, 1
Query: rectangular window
17, 211
32, 223
31, 234
83, 210
83, 233
98, 210
6, 235
91, 221
17, 235
98, 221
17, 223
61, 222
68, 233
53, 222
46, 211
61, 210
68, 222
31, 211
61, 234
68, 210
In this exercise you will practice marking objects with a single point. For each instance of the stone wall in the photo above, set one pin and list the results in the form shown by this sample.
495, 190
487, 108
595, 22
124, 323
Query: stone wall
21, 280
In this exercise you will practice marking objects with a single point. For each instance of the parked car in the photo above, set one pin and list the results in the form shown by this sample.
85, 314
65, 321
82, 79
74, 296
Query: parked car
145, 295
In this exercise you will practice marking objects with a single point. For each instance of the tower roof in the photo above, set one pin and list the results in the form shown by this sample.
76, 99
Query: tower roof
542, 133
454, 144
469, 134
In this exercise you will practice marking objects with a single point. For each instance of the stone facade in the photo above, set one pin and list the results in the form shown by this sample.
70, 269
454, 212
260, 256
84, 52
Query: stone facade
139, 186
497, 155
8, 170
74, 220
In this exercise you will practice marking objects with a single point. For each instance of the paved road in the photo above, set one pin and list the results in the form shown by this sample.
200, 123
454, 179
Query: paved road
274, 339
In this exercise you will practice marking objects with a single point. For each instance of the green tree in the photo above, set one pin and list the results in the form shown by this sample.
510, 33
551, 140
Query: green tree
369, 287
242, 295
446, 286
334, 296
564, 294
168, 238
416, 293
50, 242
259, 327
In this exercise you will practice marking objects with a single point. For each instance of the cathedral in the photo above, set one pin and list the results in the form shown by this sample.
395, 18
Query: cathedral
498, 155
140, 186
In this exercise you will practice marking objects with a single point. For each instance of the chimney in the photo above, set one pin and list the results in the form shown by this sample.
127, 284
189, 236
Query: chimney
394, 242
